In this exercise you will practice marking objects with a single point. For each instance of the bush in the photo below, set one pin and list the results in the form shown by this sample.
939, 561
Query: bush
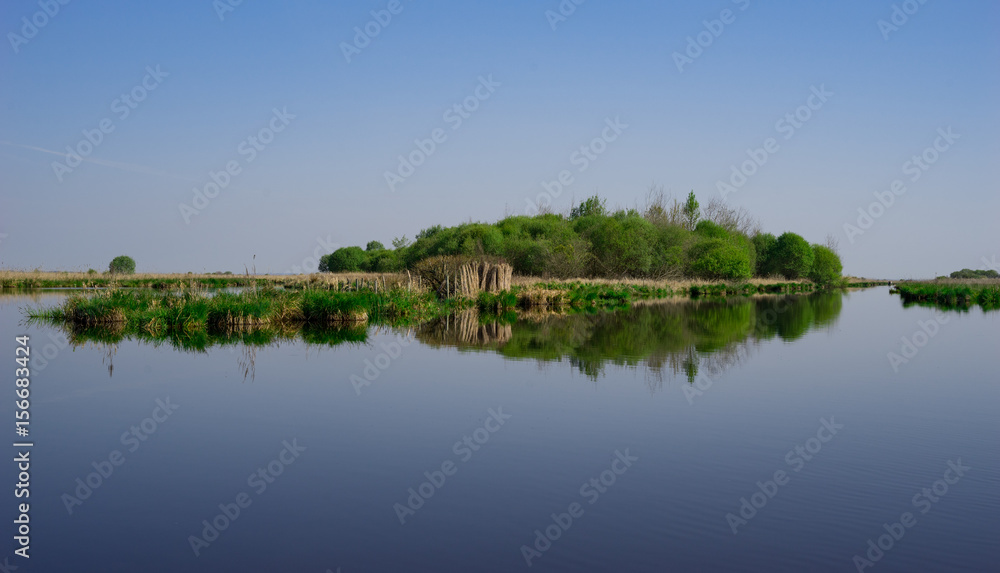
622, 245
122, 265
384, 261
592, 206
711, 230
347, 260
792, 256
374, 246
977, 274
91, 272
719, 259
826, 267
764, 246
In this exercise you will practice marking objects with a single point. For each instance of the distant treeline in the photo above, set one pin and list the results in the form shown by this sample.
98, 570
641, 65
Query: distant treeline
978, 274
666, 239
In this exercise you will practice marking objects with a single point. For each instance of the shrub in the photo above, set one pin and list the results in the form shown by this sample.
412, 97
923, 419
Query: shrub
764, 246
975, 274
347, 259
374, 246
792, 256
711, 230
826, 267
718, 259
592, 206
622, 245
384, 261
122, 265
91, 272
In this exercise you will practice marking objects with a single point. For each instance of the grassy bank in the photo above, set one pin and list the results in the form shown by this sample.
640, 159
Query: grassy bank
178, 281
194, 316
152, 311
952, 293
348, 282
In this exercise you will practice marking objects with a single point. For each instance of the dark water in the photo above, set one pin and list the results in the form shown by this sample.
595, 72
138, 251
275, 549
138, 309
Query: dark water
681, 408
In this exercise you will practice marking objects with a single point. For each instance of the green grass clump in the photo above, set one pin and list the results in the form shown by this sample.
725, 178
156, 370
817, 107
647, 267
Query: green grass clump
951, 294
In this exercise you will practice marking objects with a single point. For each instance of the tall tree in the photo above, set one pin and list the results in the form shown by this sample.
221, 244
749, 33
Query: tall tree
692, 211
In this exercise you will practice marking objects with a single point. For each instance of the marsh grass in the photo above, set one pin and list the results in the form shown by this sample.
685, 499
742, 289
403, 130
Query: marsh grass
158, 313
163, 281
952, 293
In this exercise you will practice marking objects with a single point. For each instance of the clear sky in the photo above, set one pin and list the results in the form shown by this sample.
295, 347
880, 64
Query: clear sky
533, 87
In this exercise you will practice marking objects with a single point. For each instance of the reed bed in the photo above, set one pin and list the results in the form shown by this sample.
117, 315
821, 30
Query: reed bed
952, 293
156, 312
345, 282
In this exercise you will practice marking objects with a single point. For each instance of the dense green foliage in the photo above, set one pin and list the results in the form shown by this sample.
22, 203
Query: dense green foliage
687, 338
595, 242
348, 259
975, 274
122, 265
763, 244
826, 267
950, 295
792, 257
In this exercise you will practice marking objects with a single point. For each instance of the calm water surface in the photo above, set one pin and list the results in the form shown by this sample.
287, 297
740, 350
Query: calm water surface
641, 431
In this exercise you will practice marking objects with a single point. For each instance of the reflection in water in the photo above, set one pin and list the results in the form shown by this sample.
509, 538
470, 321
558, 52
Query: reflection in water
669, 338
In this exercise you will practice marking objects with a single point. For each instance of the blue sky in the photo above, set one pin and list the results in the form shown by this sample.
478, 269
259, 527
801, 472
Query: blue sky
321, 180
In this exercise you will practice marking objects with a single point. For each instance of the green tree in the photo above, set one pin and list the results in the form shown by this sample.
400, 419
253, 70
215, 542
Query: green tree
400, 242
793, 256
384, 261
374, 246
591, 206
347, 259
122, 265
324, 264
719, 259
826, 267
692, 211
764, 246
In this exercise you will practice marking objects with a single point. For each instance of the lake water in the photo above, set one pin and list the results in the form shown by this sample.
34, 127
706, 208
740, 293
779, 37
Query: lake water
620, 441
